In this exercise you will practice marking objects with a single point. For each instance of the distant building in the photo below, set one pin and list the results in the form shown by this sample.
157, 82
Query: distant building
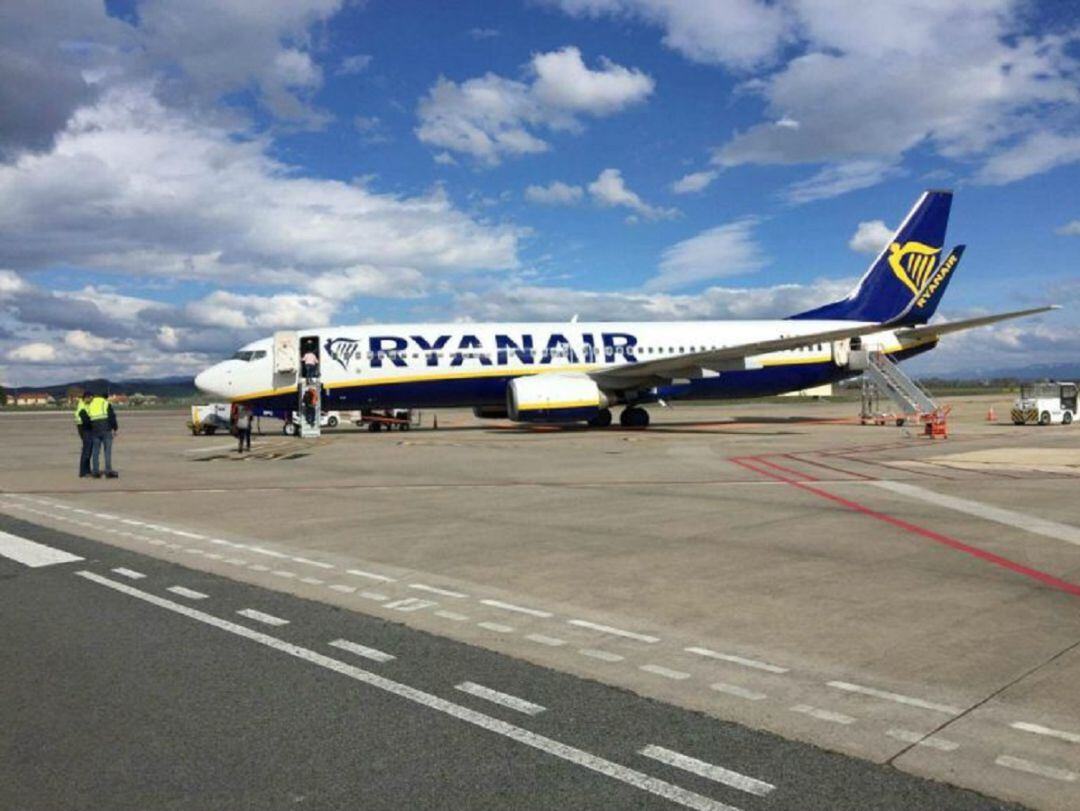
118, 399
31, 398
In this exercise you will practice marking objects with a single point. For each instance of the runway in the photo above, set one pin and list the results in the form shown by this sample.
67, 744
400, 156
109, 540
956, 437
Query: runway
908, 606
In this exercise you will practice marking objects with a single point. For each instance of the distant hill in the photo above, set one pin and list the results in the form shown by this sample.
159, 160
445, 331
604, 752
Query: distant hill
168, 387
1042, 371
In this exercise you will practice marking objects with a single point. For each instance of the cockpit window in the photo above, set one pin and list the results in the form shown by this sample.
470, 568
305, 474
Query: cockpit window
249, 355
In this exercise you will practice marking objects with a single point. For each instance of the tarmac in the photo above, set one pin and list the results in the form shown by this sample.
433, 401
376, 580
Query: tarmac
901, 600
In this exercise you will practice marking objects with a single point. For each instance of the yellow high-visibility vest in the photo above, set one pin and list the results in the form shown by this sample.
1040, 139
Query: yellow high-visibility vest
98, 409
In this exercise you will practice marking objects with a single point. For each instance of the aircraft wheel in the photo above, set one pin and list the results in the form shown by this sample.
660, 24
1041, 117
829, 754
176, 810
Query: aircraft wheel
602, 419
634, 417
1044, 418
374, 427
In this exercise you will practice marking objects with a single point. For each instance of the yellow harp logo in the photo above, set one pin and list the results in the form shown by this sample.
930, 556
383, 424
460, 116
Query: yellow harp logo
913, 262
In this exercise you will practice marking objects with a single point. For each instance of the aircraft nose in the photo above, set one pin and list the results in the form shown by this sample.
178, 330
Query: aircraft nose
211, 381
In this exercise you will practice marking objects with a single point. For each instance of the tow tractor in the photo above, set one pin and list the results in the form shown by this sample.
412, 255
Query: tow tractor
1046, 402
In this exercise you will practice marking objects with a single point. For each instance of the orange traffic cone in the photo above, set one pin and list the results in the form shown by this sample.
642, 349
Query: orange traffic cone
991, 416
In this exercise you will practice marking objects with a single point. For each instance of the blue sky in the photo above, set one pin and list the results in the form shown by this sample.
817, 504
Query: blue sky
203, 173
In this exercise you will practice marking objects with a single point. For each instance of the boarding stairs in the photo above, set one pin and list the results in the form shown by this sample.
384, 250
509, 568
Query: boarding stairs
882, 375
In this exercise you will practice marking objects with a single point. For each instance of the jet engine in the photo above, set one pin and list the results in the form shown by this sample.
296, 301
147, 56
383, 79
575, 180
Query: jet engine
554, 398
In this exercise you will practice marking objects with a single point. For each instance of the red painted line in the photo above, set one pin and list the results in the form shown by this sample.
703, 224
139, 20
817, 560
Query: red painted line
761, 460
796, 457
937, 537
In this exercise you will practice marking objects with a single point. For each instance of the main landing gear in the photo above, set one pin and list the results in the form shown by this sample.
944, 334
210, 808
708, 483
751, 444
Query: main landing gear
602, 419
634, 417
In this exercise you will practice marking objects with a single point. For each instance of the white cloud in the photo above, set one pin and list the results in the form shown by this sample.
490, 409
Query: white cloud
555, 193
1038, 153
695, 182
282, 311
861, 92
736, 33
870, 237
82, 340
840, 178
33, 353
1069, 229
610, 190
491, 117
134, 186
726, 250
357, 63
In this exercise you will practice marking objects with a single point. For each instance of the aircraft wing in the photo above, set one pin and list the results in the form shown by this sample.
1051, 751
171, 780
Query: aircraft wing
935, 330
727, 358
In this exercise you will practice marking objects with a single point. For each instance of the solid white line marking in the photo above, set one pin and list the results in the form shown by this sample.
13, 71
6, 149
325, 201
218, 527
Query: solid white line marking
666, 672
919, 739
1010, 762
317, 563
823, 715
362, 650
534, 612
32, 554
434, 590
1017, 520
343, 588
372, 576
550, 641
496, 626
607, 629
505, 699
259, 616
735, 690
624, 774
899, 699
738, 660
1039, 729
183, 592
602, 655
131, 574
452, 615
710, 771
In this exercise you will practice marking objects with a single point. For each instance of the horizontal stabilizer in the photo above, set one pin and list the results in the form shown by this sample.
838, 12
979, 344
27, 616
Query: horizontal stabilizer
944, 328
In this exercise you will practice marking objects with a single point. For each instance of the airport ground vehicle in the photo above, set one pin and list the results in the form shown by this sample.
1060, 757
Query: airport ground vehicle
328, 419
1046, 402
209, 419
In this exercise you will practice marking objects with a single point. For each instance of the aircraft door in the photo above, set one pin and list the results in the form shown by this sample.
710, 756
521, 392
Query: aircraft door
286, 360
840, 353
309, 357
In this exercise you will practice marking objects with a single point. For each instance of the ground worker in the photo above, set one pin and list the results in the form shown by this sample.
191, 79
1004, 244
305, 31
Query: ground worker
102, 426
86, 439
243, 427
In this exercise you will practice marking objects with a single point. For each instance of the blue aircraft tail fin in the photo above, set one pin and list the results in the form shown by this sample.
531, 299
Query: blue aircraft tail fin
902, 273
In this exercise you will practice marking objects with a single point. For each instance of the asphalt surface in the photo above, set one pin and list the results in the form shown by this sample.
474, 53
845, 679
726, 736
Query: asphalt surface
117, 693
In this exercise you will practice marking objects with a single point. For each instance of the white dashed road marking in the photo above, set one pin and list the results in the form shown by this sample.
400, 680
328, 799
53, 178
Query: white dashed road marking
434, 590
410, 604
362, 650
505, 699
451, 615
919, 739
1021, 765
550, 641
571, 754
737, 660
735, 690
259, 616
607, 629
666, 672
899, 699
130, 574
32, 554
372, 576
823, 715
498, 627
1039, 729
189, 593
518, 608
602, 655
710, 771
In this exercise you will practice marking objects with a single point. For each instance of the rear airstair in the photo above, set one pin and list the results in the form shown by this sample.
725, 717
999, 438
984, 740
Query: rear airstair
914, 403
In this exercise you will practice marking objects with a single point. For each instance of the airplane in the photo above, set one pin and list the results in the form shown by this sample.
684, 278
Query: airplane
577, 372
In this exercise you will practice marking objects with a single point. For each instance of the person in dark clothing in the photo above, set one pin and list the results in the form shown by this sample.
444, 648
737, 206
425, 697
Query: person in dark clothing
243, 428
103, 427
86, 436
